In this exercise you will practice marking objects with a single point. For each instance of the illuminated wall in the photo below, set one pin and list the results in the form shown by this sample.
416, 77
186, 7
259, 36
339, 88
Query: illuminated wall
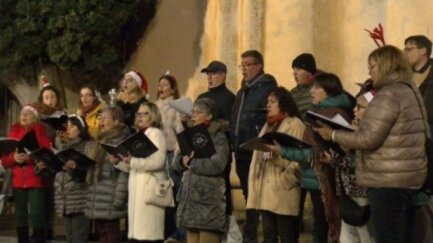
333, 30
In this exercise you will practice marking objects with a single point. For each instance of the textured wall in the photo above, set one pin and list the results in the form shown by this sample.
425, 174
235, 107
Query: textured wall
333, 30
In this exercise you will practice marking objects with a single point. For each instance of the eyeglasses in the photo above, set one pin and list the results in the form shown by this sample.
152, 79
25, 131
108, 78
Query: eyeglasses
408, 49
246, 65
139, 114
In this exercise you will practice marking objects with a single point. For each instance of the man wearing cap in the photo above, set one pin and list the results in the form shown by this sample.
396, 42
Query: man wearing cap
216, 73
248, 117
304, 71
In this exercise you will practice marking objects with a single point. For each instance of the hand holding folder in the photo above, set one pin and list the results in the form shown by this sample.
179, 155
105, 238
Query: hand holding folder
196, 139
28, 141
285, 140
336, 122
56, 161
138, 145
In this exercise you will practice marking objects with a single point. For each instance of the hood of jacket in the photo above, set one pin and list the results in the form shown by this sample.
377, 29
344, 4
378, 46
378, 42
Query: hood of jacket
341, 101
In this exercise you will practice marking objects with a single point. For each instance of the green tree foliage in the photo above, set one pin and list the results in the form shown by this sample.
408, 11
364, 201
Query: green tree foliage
80, 36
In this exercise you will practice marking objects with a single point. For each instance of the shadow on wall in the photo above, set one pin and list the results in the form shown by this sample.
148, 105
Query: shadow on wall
171, 42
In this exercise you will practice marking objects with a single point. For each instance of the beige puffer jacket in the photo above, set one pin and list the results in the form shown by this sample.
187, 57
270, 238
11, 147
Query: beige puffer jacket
390, 140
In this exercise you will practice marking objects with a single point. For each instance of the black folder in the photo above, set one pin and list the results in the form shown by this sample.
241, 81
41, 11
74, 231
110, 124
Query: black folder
311, 119
283, 139
72, 154
57, 123
53, 162
28, 141
196, 139
138, 145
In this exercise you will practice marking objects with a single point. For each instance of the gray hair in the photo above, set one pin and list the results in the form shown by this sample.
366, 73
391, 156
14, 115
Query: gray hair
208, 106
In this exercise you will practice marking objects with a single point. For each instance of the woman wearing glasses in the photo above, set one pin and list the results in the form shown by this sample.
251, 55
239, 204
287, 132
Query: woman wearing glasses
202, 205
146, 221
107, 186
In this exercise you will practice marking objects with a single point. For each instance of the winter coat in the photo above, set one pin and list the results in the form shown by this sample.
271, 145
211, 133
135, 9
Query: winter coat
108, 186
315, 174
202, 203
426, 89
274, 184
301, 95
224, 100
171, 121
146, 222
249, 112
92, 119
390, 139
70, 194
23, 175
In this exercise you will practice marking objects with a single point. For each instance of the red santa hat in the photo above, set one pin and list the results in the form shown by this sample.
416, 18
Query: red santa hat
32, 109
44, 82
139, 79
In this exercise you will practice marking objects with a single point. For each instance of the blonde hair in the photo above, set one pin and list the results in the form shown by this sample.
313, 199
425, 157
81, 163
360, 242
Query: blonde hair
155, 115
390, 60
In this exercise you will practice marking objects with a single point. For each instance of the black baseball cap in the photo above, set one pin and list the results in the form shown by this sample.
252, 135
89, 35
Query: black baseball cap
215, 66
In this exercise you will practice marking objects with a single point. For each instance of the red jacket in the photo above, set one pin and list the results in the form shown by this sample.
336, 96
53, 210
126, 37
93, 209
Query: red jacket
24, 176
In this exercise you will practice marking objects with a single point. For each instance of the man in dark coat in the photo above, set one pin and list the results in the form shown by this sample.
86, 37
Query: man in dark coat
216, 73
418, 50
248, 117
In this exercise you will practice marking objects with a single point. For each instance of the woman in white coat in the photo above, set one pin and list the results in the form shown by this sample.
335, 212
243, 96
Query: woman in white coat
146, 222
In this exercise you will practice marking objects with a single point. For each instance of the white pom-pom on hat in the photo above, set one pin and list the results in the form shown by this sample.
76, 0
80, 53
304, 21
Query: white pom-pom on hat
32, 109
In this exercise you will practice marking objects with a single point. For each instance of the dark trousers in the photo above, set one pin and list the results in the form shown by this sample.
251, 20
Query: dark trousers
170, 228
252, 216
299, 219
277, 226
320, 232
108, 230
390, 213
76, 228
35, 198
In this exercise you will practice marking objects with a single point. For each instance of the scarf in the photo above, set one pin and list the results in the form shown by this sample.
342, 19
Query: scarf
271, 120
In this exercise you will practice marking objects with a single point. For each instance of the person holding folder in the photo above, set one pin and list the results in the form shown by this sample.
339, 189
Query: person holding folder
274, 184
328, 99
70, 191
107, 186
202, 204
146, 221
28, 188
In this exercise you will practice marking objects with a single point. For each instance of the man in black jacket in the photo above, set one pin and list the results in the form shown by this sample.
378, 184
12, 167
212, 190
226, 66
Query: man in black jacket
248, 118
418, 49
216, 73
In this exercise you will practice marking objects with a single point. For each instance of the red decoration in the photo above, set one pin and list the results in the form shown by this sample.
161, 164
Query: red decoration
377, 35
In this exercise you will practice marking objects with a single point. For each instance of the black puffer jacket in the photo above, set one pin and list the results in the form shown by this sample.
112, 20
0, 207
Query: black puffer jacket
249, 114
